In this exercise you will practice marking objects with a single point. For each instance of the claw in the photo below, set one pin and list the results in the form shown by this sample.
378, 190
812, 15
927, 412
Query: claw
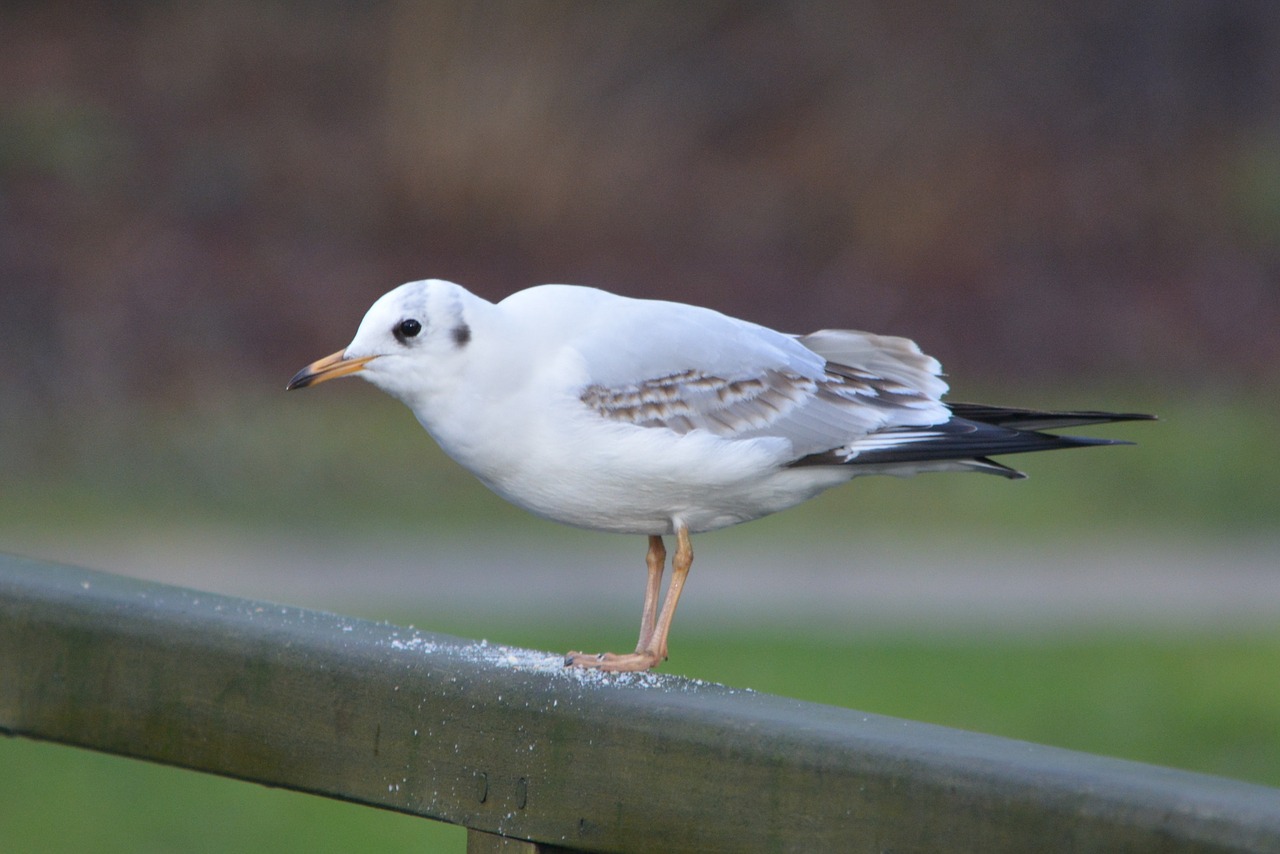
612, 663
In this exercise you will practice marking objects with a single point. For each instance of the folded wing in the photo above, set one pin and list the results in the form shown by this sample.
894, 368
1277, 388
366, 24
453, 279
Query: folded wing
875, 404
815, 404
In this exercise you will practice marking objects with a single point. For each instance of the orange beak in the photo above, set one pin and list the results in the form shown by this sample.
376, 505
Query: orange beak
328, 368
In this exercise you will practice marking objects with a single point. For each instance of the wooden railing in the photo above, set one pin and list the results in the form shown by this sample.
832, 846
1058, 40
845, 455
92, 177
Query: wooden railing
531, 757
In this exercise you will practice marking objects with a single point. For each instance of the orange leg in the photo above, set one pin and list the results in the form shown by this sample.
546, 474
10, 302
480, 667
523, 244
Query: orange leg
652, 649
679, 573
656, 560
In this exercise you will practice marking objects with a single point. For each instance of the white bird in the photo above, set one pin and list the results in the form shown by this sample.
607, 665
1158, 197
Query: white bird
649, 417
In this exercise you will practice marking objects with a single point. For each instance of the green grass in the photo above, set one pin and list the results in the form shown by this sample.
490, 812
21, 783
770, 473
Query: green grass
349, 458
1205, 701
62, 799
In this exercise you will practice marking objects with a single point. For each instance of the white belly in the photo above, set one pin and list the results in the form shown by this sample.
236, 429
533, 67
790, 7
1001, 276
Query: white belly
643, 484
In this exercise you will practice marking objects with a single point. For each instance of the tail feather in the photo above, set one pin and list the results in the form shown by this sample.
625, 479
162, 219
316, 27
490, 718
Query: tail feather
975, 433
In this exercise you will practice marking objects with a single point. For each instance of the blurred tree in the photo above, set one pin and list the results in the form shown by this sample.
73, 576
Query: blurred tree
1043, 190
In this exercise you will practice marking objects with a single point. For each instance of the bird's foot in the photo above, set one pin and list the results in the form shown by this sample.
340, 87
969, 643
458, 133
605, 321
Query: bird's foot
611, 662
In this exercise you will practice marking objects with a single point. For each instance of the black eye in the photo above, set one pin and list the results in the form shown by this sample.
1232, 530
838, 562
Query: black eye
407, 329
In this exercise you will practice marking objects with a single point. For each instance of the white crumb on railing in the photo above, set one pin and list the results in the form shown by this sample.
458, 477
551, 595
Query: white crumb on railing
537, 661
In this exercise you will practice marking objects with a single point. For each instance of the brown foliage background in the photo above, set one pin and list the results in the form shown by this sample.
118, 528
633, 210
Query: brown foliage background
205, 195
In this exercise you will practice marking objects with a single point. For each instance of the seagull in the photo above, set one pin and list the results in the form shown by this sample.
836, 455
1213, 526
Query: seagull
659, 418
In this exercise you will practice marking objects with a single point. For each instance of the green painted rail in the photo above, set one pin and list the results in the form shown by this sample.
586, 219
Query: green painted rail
532, 757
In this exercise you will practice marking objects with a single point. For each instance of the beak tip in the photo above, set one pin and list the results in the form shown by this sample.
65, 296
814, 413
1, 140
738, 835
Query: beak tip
330, 367
301, 379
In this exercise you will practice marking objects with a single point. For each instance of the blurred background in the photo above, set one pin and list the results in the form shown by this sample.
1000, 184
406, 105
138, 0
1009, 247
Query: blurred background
1069, 204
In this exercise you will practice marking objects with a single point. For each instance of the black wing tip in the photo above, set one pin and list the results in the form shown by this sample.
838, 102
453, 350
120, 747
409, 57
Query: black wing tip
963, 441
1113, 417
1085, 441
1041, 419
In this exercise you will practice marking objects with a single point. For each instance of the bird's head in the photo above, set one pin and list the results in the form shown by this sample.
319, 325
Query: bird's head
408, 335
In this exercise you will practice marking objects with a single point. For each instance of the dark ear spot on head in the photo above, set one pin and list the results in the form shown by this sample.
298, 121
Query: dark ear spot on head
461, 334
